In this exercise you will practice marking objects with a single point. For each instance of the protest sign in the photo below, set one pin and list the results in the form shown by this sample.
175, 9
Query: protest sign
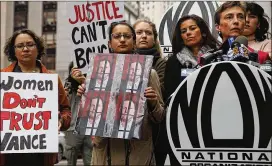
87, 27
114, 103
29, 113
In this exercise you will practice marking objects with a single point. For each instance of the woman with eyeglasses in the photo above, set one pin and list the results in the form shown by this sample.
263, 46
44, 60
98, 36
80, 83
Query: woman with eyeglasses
25, 49
111, 151
256, 28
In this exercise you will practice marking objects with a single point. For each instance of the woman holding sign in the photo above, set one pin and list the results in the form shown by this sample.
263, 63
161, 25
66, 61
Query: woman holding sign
24, 49
147, 44
130, 152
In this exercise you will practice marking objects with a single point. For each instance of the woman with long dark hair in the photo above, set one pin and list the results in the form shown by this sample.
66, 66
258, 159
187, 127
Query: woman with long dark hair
256, 28
191, 39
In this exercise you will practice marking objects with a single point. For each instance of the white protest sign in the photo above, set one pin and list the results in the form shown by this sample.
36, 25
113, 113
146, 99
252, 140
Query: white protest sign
87, 27
29, 113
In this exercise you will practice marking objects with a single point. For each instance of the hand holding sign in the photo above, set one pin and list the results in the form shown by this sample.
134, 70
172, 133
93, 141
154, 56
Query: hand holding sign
81, 89
87, 24
77, 75
150, 94
151, 97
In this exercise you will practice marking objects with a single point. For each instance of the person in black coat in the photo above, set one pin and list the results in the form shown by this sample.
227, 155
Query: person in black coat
191, 39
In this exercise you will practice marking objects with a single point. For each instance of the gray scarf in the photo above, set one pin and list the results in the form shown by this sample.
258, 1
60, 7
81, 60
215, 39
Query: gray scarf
186, 55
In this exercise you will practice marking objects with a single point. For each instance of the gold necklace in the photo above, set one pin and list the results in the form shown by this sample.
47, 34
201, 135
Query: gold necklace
36, 70
32, 71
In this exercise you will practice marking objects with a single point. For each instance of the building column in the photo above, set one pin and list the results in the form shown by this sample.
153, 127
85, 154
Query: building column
7, 12
35, 13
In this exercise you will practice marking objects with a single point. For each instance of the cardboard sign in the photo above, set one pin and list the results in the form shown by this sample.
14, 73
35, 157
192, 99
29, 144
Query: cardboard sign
87, 27
114, 103
29, 113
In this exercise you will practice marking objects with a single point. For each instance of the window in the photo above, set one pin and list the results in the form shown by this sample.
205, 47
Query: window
49, 34
20, 21
49, 61
49, 21
20, 6
49, 5
50, 40
20, 15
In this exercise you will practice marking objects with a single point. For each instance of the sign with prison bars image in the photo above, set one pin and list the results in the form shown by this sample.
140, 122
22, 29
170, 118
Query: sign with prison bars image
113, 104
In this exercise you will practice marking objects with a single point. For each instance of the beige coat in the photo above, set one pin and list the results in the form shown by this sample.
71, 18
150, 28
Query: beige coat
141, 151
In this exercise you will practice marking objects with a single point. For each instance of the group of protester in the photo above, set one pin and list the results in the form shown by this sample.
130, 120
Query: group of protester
191, 39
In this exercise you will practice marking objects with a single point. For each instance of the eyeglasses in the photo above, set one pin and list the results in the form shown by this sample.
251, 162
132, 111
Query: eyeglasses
21, 46
118, 36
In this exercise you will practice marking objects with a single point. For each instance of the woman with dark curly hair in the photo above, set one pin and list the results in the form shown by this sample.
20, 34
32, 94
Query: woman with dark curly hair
24, 49
256, 28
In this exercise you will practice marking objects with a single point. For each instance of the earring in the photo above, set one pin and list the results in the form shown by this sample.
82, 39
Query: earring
204, 35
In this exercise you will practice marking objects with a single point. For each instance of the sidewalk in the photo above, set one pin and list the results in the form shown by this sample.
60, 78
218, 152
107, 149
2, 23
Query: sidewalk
64, 162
